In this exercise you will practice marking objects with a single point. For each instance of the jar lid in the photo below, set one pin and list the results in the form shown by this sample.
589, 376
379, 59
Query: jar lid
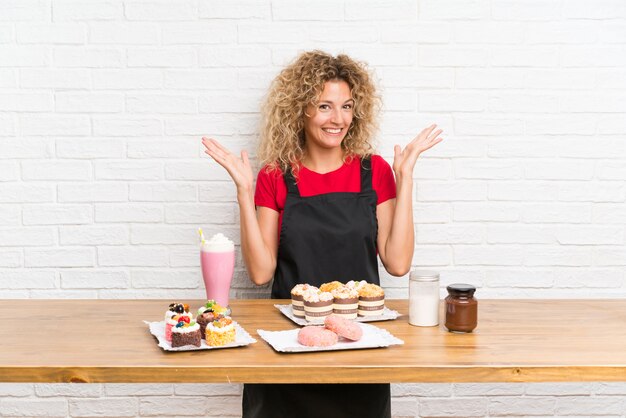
461, 289
424, 275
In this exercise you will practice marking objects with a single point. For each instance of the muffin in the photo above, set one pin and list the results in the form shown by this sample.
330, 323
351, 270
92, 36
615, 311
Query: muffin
317, 306
173, 314
371, 300
297, 299
329, 287
345, 302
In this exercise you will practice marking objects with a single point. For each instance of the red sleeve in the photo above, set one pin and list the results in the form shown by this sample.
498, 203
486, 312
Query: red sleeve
382, 179
265, 192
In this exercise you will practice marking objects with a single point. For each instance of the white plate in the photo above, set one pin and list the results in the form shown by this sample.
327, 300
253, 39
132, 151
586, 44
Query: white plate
158, 330
387, 315
287, 341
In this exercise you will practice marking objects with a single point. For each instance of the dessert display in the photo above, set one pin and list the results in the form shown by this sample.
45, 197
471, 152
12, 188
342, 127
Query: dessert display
351, 300
345, 302
371, 300
186, 332
317, 305
297, 298
220, 332
313, 336
208, 313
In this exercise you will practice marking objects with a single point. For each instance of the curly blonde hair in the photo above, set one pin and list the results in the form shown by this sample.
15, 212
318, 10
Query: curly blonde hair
301, 83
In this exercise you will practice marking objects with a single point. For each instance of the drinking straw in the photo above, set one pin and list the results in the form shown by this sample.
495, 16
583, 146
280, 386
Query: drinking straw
201, 235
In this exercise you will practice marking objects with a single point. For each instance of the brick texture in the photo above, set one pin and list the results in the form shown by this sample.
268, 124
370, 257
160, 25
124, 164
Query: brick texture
103, 180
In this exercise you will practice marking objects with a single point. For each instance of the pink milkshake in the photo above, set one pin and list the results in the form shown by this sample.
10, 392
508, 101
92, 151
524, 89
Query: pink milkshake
217, 258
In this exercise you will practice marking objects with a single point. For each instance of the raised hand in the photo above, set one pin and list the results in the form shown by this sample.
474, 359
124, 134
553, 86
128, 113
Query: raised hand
404, 159
238, 168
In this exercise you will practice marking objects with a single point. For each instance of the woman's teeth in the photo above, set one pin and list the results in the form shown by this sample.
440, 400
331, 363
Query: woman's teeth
332, 131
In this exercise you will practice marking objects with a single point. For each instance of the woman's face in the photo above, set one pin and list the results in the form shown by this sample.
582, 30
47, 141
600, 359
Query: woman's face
327, 122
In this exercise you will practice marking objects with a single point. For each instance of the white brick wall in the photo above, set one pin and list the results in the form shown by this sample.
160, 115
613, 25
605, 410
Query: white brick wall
103, 181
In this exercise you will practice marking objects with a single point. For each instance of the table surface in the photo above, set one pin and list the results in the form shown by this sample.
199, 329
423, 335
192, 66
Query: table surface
516, 341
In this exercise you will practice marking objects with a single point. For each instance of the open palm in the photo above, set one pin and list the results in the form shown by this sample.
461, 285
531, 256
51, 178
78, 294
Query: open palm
404, 159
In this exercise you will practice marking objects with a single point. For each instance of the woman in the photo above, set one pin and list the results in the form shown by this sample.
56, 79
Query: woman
326, 206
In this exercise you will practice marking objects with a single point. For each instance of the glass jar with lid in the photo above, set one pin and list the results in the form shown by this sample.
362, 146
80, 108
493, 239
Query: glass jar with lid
461, 308
424, 298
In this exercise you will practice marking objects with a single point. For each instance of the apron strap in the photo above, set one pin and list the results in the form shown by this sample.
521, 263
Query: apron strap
366, 174
290, 181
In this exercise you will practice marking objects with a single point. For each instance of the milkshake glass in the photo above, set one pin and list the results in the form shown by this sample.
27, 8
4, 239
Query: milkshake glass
217, 258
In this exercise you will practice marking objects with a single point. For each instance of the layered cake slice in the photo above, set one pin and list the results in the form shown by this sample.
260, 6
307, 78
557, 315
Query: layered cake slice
317, 306
186, 333
371, 300
220, 332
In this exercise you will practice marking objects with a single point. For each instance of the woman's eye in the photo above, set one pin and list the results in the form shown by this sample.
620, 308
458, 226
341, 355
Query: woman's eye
347, 106
324, 107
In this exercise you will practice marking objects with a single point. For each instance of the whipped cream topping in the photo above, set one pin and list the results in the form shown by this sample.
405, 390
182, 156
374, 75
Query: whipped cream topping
187, 329
218, 243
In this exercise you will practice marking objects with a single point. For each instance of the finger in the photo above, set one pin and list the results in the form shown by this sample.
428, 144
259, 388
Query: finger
396, 151
220, 146
426, 132
432, 144
436, 134
244, 158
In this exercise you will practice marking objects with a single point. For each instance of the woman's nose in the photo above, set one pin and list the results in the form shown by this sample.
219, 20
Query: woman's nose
336, 116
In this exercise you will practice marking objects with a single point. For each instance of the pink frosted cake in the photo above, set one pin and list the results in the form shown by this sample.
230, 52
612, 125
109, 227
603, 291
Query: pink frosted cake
297, 298
345, 302
186, 333
317, 306
173, 315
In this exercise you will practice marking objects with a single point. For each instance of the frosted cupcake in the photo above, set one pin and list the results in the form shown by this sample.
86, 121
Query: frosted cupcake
371, 300
317, 306
345, 302
186, 334
330, 286
356, 285
297, 298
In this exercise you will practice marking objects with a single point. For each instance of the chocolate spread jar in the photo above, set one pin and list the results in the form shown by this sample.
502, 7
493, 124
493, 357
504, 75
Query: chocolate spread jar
461, 308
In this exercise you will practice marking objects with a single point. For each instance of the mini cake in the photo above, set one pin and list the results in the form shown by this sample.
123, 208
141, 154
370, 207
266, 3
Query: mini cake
297, 299
317, 337
210, 312
345, 302
317, 306
173, 315
186, 333
371, 300
329, 287
220, 332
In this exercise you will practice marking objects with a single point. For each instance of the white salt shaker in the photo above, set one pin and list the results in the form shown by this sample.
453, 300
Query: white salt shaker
424, 298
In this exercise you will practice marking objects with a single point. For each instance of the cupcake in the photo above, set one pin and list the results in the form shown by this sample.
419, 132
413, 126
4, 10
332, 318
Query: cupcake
356, 285
345, 302
329, 287
317, 306
220, 332
371, 300
297, 300
186, 333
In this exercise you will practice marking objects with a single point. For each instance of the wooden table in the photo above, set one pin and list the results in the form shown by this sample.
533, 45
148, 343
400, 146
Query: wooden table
516, 341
